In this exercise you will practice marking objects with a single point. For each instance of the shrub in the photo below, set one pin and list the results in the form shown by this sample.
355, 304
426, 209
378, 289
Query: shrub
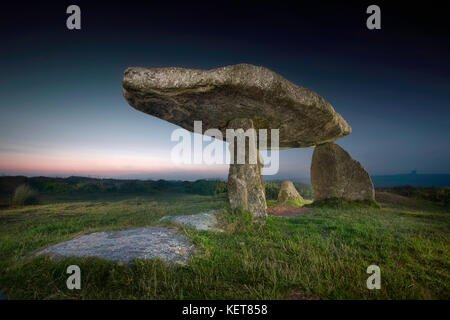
24, 195
87, 187
272, 189
305, 190
56, 187
202, 187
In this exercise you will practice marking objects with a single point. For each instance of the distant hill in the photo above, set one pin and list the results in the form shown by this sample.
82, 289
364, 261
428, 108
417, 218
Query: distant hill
89, 185
412, 179
204, 186
94, 185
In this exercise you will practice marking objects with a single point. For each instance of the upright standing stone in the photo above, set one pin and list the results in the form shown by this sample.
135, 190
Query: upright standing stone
335, 174
245, 184
288, 192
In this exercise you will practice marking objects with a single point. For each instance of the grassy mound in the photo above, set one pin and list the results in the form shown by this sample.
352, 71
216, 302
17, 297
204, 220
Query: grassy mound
341, 203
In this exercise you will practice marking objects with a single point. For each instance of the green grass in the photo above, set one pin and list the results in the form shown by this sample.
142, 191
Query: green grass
321, 254
296, 203
341, 203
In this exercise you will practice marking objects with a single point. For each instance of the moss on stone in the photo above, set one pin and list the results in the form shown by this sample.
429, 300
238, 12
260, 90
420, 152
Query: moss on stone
299, 202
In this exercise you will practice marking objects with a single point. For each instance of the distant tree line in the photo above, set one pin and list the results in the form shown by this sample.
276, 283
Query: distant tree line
92, 185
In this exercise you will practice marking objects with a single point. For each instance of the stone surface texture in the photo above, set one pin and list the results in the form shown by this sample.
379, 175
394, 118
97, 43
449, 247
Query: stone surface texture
220, 95
288, 192
335, 174
127, 245
245, 185
203, 221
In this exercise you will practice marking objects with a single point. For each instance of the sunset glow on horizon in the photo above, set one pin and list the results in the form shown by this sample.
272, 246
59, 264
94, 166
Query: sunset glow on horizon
100, 164
63, 112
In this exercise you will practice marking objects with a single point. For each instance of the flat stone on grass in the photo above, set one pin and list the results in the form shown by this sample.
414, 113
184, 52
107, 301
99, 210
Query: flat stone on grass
204, 221
127, 245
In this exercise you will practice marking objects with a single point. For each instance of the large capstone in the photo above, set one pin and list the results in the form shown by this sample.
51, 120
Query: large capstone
288, 192
245, 184
335, 174
218, 96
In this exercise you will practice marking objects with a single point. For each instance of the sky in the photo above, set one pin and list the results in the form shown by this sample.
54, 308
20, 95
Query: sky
62, 111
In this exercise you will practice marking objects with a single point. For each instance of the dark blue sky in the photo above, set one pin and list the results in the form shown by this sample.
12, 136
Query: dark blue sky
62, 111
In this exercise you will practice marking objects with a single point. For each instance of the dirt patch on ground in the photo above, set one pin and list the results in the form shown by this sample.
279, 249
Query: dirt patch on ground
286, 211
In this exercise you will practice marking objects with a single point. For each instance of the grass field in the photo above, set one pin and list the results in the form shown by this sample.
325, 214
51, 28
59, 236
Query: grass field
322, 254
